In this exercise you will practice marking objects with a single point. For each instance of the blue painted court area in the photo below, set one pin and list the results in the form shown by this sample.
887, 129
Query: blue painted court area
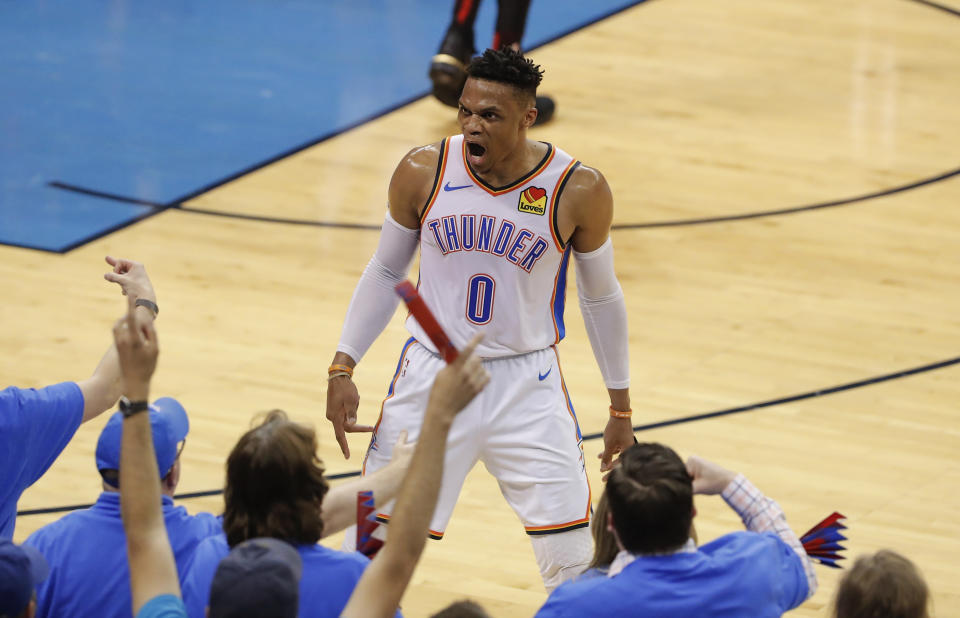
156, 101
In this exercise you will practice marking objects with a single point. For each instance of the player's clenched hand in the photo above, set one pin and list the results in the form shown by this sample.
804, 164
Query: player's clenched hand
617, 437
342, 402
132, 278
459, 382
708, 477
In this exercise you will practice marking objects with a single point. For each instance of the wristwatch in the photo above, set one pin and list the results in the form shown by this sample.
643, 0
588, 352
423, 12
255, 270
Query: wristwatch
129, 408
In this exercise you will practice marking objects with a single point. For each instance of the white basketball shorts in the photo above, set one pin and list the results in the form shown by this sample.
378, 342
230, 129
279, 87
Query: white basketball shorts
521, 426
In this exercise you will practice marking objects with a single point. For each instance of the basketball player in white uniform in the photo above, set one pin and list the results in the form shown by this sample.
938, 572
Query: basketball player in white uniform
496, 218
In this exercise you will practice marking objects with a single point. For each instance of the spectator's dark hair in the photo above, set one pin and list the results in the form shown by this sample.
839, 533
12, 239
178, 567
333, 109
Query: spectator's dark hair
275, 483
885, 585
507, 66
604, 543
650, 497
111, 476
462, 609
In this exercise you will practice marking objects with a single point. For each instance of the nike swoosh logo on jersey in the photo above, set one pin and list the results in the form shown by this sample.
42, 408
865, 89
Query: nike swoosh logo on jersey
447, 187
543, 376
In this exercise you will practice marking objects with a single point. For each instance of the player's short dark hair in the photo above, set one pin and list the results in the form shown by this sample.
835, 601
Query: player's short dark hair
507, 66
650, 496
275, 483
882, 584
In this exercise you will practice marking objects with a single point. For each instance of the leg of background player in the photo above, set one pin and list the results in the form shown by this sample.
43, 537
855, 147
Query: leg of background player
447, 67
562, 556
511, 22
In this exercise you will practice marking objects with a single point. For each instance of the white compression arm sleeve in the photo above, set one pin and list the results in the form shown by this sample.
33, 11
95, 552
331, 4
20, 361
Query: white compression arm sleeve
604, 313
374, 299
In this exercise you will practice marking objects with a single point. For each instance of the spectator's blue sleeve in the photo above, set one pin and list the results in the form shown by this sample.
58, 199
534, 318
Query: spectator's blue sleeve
35, 426
557, 605
163, 606
794, 587
199, 576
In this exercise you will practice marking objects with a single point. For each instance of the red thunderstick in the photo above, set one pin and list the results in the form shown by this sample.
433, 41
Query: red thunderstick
422, 314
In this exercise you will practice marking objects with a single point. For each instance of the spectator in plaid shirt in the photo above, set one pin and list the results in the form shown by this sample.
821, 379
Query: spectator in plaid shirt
660, 571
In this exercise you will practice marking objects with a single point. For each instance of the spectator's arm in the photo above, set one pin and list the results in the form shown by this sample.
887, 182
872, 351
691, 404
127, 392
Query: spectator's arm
762, 514
339, 508
379, 591
759, 513
153, 571
102, 389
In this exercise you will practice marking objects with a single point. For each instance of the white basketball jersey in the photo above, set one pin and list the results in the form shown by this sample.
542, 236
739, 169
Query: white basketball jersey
491, 258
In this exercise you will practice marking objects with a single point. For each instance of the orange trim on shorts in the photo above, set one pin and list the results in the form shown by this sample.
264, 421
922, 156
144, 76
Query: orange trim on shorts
570, 525
438, 180
390, 393
384, 518
559, 244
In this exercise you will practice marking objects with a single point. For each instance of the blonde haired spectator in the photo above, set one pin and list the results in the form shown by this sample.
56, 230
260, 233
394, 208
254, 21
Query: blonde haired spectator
882, 585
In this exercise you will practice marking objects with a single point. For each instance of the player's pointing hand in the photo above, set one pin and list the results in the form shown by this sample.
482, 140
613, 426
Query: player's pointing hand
343, 399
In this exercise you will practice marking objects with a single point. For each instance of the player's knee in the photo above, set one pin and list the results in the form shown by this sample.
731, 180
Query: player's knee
562, 556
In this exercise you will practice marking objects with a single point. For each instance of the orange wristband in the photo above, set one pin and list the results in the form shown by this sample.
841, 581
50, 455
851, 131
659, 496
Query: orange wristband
620, 413
341, 369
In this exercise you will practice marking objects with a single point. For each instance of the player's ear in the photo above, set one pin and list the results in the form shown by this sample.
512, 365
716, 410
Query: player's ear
529, 117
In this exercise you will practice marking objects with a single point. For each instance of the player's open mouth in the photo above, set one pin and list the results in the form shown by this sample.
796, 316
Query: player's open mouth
476, 152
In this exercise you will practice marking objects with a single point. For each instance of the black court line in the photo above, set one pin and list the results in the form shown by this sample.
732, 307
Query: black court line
203, 211
595, 436
788, 211
619, 226
942, 7
310, 222
184, 496
56, 184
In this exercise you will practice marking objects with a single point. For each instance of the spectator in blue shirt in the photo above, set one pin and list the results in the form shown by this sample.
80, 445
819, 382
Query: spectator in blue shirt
660, 571
21, 570
275, 486
36, 424
86, 551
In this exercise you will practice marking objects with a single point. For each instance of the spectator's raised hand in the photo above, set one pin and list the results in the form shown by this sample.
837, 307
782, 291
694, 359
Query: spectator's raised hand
459, 382
708, 477
402, 451
132, 278
136, 342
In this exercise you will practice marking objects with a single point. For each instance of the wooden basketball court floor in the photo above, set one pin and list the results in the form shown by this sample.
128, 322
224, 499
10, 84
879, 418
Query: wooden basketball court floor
694, 110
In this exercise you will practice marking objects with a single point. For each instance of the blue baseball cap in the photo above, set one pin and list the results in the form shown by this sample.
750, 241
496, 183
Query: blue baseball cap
21, 569
170, 426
